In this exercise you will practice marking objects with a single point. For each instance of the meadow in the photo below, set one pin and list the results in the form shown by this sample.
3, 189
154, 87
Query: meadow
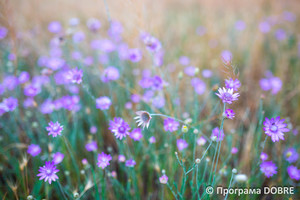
149, 99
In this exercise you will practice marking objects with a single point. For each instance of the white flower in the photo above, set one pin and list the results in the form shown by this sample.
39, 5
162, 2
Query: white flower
143, 118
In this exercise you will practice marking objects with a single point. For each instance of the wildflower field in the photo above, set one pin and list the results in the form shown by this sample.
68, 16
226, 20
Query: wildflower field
149, 99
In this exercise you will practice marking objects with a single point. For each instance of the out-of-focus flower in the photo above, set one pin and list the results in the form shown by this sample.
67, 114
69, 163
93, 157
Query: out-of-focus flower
135, 98
190, 70
75, 75
152, 43
34, 150
134, 55
291, 155
121, 158
263, 156
143, 118
184, 60
93, 24
199, 85
218, 134
93, 129
55, 27
232, 84
201, 30
3, 32
294, 172
152, 139
229, 114
171, 125
240, 25
280, 35
268, 168
119, 127
227, 95
201, 141
158, 101
264, 27
136, 134
91, 146
226, 56
130, 163
181, 144
84, 161
78, 37
275, 128
206, 73
31, 90
48, 172
110, 74
23, 77
10, 82
54, 129
163, 179
240, 178
58, 158
103, 103
103, 160
234, 150
11, 103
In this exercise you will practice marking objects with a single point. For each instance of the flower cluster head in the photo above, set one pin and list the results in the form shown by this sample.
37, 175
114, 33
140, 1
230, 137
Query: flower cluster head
74, 75
58, 158
54, 129
291, 155
143, 118
182, 144
268, 168
103, 103
34, 150
163, 179
110, 74
171, 125
218, 134
232, 84
136, 134
227, 95
130, 163
275, 128
103, 160
119, 127
91, 146
271, 83
48, 172
9, 104
229, 114
294, 172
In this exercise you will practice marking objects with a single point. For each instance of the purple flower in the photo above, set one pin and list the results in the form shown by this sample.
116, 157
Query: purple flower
268, 168
264, 27
263, 156
199, 85
280, 35
190, 71
276, 85
55, 63
47, 107
54, 27
115, 30
291, 155
11, 103
206, 73
31, 90
158, 102
294, 172
152, 139
158, 58
103, 103
275, 128
232, 84
78, 37
201, 30
218, 134
130, 163
229, 114
110, 74
10, 82
181, 144
93, 24
234, 150
227, 95
23, 77
119, 127
3, 32
103, 160
201, 141
134, 55
288, 16
3, 108
58, 158
48, 172
136, 134
91, 146
75, 75
171, 125
152, 43
135, 98
54, 129
184, 60
157, 83
163, 179
34, 150
121, 158
226, 55
240, 25
93, 129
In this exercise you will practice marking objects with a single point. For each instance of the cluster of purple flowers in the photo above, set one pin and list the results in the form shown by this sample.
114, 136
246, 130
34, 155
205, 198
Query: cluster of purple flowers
271, 83
70, 103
